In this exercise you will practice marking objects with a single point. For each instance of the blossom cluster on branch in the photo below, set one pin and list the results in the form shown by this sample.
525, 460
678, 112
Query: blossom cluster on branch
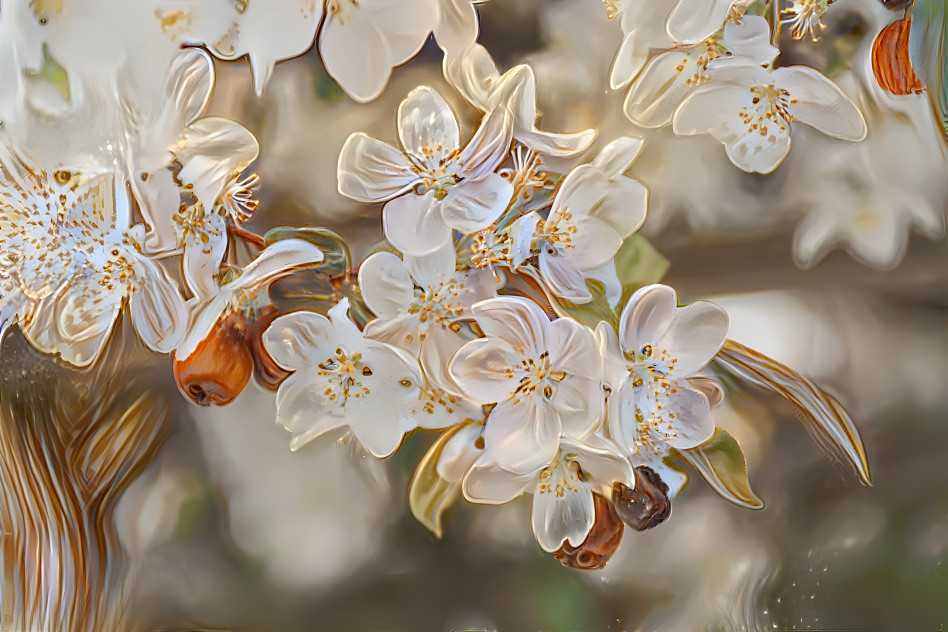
513, 309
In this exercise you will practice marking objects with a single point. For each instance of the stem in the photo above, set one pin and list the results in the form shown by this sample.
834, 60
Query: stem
775, 26
248, 236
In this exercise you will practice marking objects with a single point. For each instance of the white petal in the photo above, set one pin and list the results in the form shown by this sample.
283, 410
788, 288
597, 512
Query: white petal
595, 242
630, 58
299, 340
692, 22
189, 84
518, 321
414, 225
159, 199
158, 310
204, 314
202, 261
479, 369
386, 286
522, 437
84, 318
749, 39
557, 519
756, 155
300, 409
693, 412
489, 146
212, 150
601, 459
372, 171
646, 316
564, 279
433, 269
474, 74
661, 87
426, 125
521, 233
821, 104
459, 453
436, 352
614, 371
695, 334
624, 206
615, 158
276, 260
473, 205
457, 26
487, 483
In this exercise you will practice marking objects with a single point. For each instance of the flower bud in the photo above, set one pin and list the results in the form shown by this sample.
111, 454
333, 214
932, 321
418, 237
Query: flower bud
647, 504
601, 542
220, 366
891, 64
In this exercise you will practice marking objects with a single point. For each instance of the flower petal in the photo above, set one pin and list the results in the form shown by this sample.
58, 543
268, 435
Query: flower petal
692, 22
414, 225
479, 369
460, 453
386, 286
489, 146
212, 150
202, 260
521, 435
560, 518
473, 205
427, 127
158, 310
821, 104
615, 158
299, 340
372, 171
299, 407
518, 321
488, 483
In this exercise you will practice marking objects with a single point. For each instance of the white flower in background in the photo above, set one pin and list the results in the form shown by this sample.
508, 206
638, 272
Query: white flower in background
750, 110
544, 377
71, 261
670, 76
563, 505
476, 77
657, 400
648, 26
457, 26
342, 379
432, 186
595, 209
361, 41
247, 291
266, 32
418, 303
866, 201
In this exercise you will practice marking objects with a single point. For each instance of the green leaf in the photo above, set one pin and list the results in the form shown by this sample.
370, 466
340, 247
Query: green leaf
52, 73
429, 495
591, 313
638, 264
337, 261
720, 461
308, 288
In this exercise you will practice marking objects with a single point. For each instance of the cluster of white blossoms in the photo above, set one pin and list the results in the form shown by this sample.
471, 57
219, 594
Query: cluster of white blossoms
513, 309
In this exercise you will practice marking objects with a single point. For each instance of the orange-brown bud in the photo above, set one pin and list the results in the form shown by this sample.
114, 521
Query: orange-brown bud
220, 367
266, 371
891, 64
599, 545
645, 506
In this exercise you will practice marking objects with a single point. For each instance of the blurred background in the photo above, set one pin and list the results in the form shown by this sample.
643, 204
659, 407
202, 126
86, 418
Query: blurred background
230, 530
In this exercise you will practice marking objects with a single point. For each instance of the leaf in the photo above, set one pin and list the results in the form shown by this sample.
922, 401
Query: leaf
720, 461
52, 73
590, 313
819, 411
336, 257
429, 495
638, 264
308, 288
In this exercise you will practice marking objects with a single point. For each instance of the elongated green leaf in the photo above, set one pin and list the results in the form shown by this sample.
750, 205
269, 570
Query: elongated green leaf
336, 261
638, 264
720, 461
429, 495
308, 288
590, 313
819, 411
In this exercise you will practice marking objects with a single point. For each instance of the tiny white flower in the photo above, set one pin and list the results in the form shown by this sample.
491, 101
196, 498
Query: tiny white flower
476, 77
803, 17
595, 209
656, 404
342, 379
418, 303
544, 377
563, 504
432, 186
750, 110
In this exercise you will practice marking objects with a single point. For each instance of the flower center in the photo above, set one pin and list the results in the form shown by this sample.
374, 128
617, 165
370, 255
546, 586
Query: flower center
536, 376
770, 111
804, 17
344, 372
651, 371
560, 476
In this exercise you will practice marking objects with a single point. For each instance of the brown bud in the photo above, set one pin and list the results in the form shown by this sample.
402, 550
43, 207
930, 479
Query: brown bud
266, 371
599, 545
891, 63
220, 367
645, 506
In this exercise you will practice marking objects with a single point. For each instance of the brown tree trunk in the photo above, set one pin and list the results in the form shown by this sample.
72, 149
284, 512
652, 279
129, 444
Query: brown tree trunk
71, 441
